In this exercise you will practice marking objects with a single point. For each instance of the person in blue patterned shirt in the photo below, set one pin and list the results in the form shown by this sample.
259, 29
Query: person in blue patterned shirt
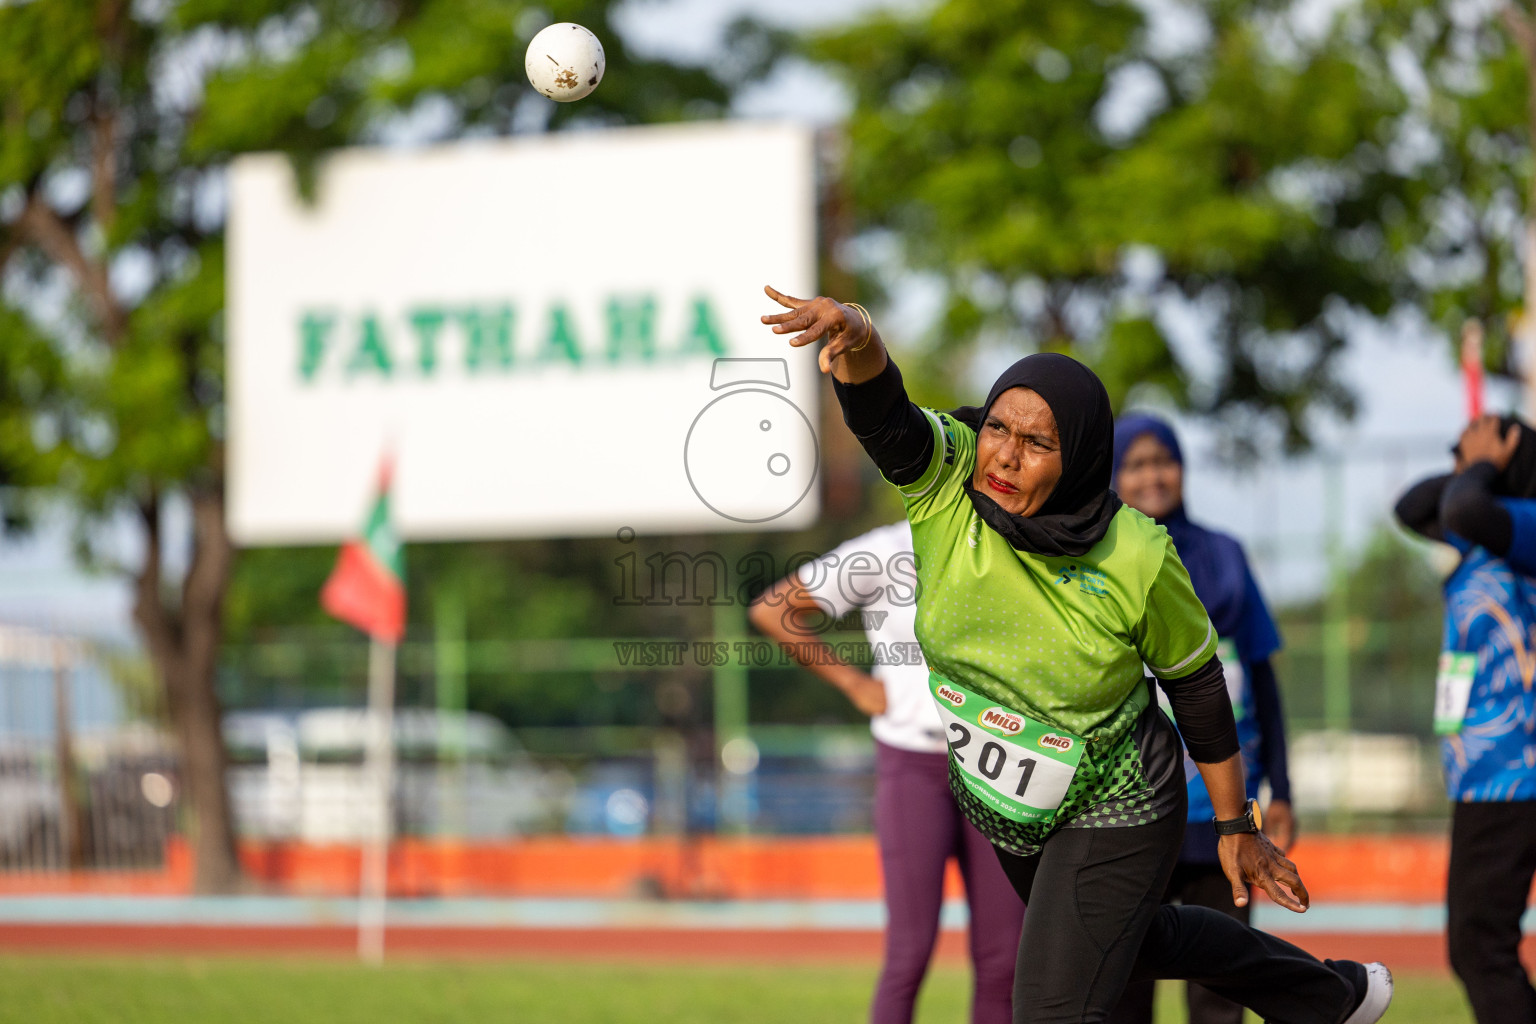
1485, 710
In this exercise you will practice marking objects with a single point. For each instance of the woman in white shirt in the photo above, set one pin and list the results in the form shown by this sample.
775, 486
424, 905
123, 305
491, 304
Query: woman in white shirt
917, 823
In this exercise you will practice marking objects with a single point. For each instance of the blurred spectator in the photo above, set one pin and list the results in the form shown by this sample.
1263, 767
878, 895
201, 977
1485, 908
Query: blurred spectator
917, 822
1484, 706
1149, 476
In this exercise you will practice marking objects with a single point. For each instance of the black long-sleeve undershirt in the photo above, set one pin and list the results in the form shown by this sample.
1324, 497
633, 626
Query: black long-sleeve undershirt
1419, 507
1469, 509
895, 433
1204, 712
1460, 503
1272, 753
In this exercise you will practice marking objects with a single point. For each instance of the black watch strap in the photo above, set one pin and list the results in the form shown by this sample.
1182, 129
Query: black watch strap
1248, 823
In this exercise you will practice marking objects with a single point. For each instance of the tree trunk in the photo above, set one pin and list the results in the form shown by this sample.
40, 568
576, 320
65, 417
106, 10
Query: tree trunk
184, 643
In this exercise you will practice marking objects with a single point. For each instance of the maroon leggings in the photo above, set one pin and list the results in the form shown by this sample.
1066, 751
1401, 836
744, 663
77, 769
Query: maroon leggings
920, 828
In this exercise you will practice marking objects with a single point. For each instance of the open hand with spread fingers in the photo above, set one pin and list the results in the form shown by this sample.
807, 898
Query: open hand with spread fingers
1252, 860
853, 352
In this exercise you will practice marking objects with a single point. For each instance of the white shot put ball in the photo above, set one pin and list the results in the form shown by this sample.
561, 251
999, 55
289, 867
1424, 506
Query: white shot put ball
565, 62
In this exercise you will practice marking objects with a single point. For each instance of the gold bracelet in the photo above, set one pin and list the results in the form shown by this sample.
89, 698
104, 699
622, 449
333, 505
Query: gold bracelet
869, 326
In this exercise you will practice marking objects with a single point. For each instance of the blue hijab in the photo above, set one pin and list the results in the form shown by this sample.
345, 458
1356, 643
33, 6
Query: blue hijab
1216, 563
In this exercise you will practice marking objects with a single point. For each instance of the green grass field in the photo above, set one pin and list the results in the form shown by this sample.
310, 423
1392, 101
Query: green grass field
162, 990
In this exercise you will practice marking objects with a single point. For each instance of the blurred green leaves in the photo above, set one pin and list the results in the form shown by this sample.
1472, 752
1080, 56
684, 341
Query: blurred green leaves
1465, 138
1072, 179
118, 119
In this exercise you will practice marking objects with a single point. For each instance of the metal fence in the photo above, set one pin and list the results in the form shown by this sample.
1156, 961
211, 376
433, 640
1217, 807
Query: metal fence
297, 774
82, 784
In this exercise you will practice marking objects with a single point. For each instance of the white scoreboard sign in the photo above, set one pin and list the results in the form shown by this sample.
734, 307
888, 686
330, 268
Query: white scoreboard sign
555, 336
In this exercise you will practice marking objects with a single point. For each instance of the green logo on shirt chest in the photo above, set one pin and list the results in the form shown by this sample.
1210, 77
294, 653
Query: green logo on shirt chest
1089, 580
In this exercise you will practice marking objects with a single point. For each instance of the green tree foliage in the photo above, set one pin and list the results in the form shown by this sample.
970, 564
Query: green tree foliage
1463, 141
117, 121
1072, 179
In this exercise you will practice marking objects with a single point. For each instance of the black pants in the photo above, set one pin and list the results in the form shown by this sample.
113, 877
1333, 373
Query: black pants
1193, 885
1095, 920
1493, 857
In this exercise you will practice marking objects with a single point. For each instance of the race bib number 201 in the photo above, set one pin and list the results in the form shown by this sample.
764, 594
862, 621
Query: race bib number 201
1019, 767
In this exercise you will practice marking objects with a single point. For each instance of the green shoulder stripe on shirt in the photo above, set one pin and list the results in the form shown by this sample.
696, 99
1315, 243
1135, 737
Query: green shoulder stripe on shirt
1188, 663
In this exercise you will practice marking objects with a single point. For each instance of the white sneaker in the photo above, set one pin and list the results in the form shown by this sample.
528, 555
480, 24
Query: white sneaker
1378, 995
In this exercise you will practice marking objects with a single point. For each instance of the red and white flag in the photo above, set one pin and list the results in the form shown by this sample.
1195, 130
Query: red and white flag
1472, 366
367, 587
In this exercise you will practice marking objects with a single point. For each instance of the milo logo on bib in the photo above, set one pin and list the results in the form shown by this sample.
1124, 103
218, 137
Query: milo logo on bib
1015, 765
955, 697
1005, 722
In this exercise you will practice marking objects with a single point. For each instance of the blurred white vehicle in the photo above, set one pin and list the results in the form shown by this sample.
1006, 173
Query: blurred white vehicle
29, 805
301, 776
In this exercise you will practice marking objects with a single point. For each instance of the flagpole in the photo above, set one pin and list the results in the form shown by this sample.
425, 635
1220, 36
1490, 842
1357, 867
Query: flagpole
380, 771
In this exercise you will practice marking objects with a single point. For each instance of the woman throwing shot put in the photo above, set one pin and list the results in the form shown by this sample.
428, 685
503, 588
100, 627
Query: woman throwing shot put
1041, 598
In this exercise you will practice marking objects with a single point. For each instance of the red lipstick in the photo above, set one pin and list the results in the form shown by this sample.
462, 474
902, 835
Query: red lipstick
1000, 485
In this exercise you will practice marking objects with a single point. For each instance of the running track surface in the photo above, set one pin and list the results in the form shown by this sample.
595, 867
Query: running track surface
1407, 936
1402, 952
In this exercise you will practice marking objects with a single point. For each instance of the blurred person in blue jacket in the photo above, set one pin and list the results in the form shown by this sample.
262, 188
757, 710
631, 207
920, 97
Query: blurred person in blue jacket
1485, 711
1149, 477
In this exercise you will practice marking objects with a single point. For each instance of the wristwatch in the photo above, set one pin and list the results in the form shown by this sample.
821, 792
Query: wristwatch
1250, 822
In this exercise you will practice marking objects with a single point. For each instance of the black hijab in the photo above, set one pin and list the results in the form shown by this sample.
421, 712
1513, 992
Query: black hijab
1076, 515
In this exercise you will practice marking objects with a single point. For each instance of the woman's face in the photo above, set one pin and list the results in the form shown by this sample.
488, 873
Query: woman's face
1018, 452
1150, 480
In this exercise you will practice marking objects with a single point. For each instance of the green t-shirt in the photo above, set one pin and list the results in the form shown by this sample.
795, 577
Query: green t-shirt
1064, 640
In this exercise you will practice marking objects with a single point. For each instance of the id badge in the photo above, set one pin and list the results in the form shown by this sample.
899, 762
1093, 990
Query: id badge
1015, 765
1453, 690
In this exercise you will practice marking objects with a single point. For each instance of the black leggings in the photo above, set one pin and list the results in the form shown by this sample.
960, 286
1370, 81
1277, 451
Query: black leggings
1095, 921
1493, 856
1193, 885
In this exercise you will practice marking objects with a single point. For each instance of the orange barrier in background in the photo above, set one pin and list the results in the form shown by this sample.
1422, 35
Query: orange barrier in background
709, 867
1385, 869
1401, 869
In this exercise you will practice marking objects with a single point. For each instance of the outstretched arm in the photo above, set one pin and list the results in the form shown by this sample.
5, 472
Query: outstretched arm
895, 433
853, 353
